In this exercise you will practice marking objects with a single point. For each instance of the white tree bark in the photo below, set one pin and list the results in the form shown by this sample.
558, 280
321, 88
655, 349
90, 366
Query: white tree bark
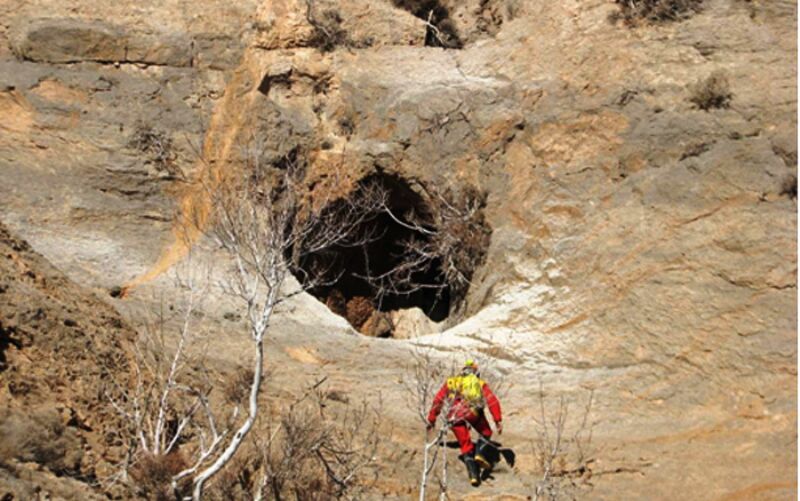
228, 453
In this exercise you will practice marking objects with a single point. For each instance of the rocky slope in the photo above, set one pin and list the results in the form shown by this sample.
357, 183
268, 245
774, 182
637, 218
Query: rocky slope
60, 347
641, 245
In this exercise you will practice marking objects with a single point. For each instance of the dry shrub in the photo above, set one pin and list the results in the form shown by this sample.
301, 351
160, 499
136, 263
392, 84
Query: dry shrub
158, 146
359, 310
239, 479
322, 453
633, 12
328, 31
462, 237
457, 236
237, 386
562, 448
713, 92
336, 302
311, 452
153, 475
40, 436
789, 186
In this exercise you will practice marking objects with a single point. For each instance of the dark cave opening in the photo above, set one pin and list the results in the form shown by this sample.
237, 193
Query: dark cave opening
353, 287
441, 32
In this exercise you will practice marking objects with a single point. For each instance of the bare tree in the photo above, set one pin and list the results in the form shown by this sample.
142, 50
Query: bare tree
320, 449
168, 403
423, 378
267, 218
317, 446
562, 448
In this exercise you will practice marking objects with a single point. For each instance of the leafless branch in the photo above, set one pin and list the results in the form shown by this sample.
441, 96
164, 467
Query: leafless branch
563, 457
267, 217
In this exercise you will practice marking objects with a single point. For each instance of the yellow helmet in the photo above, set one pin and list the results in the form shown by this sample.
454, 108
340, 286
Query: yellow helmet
470, 366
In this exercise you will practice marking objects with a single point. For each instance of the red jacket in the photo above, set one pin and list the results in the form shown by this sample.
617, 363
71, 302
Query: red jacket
461, 410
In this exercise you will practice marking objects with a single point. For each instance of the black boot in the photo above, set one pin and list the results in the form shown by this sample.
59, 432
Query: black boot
473, 470
509, 456
486, 454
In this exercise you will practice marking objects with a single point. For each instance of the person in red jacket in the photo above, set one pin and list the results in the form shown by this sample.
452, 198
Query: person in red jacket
466, 396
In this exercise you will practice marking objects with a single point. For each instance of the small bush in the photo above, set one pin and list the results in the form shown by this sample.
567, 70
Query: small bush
789, 186
562, 448
237, 387
157, 145
713, 92
153, 475
448, 247
239, 478
462, 235
41, 437
328, 31
633, 12
322, 453
336, 302
359, 310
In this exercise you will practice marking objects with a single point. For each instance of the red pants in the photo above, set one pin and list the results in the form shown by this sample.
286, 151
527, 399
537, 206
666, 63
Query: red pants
461, 431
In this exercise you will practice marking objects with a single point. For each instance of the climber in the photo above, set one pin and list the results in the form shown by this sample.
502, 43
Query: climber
467, 395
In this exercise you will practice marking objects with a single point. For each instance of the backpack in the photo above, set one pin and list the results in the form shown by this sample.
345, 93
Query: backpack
468, 388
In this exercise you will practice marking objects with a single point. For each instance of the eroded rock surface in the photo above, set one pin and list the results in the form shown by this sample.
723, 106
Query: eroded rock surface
640, 245
60, 350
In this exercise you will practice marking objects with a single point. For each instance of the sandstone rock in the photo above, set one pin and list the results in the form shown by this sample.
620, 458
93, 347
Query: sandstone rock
379, 324
639, 246
283, 24
51, 374
69, 41
412, 322
66, 40
286, 24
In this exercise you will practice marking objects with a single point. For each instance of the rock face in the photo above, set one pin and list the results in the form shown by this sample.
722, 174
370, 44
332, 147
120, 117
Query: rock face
60, 347
411, 323
640, 245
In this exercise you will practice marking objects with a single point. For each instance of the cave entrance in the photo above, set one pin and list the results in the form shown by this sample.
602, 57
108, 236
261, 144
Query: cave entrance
440, 30
352, 274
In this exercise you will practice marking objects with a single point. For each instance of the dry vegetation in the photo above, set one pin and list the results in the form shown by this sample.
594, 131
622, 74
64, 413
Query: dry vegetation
329, 31
633, 12
789, 186
711, 93
40, 437
423, 377
315, 447
181, 438
152, 476
158, 147
452, 236
358, 311
562, 448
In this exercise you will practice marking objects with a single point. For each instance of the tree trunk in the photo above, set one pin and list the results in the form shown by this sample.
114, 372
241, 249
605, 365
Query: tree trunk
243, 430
